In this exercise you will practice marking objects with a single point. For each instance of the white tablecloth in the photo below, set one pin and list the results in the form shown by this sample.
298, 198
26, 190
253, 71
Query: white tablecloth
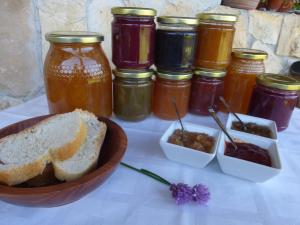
131, 198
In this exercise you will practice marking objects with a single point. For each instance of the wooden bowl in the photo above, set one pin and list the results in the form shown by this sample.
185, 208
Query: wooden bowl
112, 151
241, 4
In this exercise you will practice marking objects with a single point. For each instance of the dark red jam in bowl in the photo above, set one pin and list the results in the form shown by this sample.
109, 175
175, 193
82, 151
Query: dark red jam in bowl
249, 152
133, 34
274, 98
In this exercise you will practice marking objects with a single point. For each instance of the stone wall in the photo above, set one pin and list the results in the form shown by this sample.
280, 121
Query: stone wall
23, 24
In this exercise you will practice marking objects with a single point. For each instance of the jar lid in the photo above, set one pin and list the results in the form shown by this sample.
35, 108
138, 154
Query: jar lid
246, 53
282, 82
133, 73
209, 72
217, 17
175, 75
178, 20
134, 11
74, 37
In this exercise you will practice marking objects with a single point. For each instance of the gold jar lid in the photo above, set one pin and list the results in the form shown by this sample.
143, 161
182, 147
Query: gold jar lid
174, 75
217, 17
178, 20
133, 11
282, 82
135, 74
209, 72
74, 37
246, 53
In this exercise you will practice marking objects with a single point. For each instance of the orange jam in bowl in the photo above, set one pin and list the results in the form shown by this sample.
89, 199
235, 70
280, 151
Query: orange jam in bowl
77, 73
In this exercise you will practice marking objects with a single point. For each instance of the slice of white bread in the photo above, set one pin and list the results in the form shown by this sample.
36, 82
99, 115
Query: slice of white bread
25, 155
86, 158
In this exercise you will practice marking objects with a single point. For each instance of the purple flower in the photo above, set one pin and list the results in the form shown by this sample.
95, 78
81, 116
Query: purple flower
182, 193
201, 194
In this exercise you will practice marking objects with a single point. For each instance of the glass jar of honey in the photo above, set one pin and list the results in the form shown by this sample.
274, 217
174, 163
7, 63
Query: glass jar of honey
170, 87
214, 40
207, 87
132, 94
240, 80
175, 43
133, 36
274, 98
77, 73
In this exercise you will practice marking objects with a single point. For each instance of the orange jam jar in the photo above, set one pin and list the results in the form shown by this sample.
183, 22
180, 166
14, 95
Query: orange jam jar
240, 80
214, 41
77, 73
169, 87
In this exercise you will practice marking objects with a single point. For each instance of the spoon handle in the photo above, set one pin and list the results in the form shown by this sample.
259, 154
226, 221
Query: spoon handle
218, 121
177, 113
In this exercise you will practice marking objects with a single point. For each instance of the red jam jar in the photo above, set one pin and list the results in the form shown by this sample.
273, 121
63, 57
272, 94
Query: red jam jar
207, 87
169, 87
274, 97
133, 36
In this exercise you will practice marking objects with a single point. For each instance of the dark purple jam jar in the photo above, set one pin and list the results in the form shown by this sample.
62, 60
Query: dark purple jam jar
274, 97
133, 37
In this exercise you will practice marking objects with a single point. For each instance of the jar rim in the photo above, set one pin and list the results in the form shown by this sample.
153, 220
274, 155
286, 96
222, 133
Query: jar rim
209, 72
282, 82
174, 75
134, 11
135, 74
176, 20
74, 37
247, 53
217, 17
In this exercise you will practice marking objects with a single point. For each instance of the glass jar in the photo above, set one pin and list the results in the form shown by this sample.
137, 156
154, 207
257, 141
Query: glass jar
175, 43
214, 41
240, 80
132, 94
133, 36
169, 87
77, 73
207, 87
274, 97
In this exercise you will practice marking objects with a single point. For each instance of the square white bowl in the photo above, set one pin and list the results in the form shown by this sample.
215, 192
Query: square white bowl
247, 119
185, 155
245, 169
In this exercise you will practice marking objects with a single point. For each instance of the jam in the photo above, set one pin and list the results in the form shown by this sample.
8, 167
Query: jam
252, 128
77, 73
214, 40
207, 87
274, 98
133, 35
132, 94
249, 152
175, 43
240, 80
168, 88
197, 141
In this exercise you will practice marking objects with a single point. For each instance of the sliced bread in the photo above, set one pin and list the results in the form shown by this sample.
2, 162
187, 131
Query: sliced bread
25, 155
85, 159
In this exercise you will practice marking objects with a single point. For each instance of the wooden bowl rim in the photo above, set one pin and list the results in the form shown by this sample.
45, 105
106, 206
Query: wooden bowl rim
115, 159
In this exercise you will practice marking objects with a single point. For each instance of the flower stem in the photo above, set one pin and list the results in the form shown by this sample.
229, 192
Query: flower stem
148, 173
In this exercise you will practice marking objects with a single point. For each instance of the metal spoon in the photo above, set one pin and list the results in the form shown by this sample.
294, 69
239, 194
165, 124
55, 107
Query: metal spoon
178, 117
236, 116
218, 121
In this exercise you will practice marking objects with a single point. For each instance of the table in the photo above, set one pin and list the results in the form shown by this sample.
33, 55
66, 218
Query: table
131, 198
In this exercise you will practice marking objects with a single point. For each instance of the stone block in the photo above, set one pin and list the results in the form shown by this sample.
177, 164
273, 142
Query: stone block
6, 101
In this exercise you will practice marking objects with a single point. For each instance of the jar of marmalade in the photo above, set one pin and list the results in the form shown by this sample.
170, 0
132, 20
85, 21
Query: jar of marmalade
240, 80
132, 94
133, 36
214, 40
274, 98
207, 87
77, 73
169, 88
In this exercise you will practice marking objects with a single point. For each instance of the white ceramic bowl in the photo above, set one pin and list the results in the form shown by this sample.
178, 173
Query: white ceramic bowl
245, 169
185, 155
260, 121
